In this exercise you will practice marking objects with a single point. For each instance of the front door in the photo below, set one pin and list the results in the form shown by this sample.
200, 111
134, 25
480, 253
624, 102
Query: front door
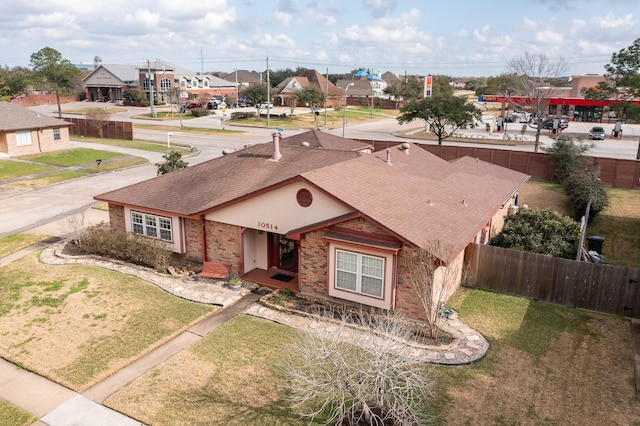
283, 253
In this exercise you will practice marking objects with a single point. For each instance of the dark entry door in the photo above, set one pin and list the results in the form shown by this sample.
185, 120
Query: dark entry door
283, 253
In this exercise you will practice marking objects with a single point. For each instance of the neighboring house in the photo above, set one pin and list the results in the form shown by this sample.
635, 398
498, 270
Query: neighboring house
109, 81
323, 211
24, 132
243, 78
309, 78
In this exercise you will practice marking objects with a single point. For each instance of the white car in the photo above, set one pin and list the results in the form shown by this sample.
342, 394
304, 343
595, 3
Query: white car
264, 105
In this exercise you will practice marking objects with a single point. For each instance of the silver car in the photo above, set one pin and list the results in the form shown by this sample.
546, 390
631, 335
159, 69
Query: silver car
596, 133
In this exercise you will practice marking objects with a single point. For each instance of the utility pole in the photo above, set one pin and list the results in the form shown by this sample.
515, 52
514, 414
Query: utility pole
268, 93
150, 78
326, 99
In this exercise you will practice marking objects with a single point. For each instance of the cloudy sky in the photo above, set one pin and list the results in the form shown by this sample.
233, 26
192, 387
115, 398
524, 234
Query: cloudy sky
459, 37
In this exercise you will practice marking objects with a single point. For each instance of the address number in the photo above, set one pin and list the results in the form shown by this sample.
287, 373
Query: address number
265, 225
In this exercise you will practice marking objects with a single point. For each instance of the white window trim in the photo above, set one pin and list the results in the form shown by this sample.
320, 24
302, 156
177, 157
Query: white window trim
56, 134
359, 273
146, 226
388, 287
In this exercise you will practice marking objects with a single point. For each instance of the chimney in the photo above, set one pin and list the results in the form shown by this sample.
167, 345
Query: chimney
276, 147
388, 156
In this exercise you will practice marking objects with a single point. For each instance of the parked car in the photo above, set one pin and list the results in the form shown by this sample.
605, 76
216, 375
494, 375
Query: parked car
562, 124
213, 104
596, 133
193, 105
265, 105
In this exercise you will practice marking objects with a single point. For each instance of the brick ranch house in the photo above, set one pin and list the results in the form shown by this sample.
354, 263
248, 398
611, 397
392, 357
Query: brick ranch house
24, 132
324, 210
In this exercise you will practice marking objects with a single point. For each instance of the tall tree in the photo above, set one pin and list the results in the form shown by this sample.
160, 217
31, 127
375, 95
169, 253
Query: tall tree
312, 97
14, 81
54, 72
444, 114
623, 81
528, 77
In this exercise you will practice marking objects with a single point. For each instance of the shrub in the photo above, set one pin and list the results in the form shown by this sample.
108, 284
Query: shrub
567, 156
199, 112
540, 231
135, 97
584, 185
125, 246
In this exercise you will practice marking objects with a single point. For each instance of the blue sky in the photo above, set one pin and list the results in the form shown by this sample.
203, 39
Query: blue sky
459, 38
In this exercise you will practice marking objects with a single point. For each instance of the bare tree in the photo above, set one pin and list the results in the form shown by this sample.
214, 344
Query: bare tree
376, 383
174, 96
433, 281
292, 102
529, 77
98, 119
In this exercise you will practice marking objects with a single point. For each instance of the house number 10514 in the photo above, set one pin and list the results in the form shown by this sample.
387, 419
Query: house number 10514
265, 225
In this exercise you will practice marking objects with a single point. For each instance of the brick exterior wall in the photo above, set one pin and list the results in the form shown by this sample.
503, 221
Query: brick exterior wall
116, 218
223, 244
313, 274
193, 240
42, 140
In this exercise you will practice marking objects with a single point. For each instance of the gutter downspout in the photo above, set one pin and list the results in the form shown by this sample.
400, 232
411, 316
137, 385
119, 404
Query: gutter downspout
203, 232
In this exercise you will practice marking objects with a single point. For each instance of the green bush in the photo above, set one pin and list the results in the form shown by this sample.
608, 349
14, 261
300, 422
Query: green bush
540, 231
584, 185
579, 176
135, 97
199, 112
128, 247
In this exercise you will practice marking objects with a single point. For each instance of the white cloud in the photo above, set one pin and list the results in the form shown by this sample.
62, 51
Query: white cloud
461, 33
379, 8
549, 37
609, 21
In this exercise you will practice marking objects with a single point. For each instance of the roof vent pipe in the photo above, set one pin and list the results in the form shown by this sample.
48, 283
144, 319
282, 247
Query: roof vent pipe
276, 147
388, 156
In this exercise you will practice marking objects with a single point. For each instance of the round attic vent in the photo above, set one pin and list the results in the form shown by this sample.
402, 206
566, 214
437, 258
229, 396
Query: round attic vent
304, 197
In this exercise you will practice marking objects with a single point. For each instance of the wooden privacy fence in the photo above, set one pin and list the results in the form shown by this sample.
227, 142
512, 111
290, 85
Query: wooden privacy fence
111, 130
603, 288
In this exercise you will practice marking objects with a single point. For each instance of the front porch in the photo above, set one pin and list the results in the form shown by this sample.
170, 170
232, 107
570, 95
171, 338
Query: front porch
265, 278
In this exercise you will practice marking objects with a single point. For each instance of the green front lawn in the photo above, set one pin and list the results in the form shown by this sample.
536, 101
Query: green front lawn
72, 157
10, 169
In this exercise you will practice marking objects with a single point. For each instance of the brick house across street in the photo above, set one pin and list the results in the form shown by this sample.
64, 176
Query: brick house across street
325, 213
24, 132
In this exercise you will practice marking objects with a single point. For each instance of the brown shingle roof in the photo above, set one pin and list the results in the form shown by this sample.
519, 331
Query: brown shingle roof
421, 197
15, 117
318, 139
202, 187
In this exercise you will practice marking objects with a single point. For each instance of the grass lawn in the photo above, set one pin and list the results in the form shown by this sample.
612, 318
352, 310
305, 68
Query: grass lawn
619, 224
546, 365
14, 416
12, 243
10, 169
153, 146
71, 157
308, 121
228, 378
83, 111
77, 324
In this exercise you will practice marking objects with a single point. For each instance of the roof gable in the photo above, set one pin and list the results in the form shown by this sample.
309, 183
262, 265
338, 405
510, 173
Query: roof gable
15, 117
